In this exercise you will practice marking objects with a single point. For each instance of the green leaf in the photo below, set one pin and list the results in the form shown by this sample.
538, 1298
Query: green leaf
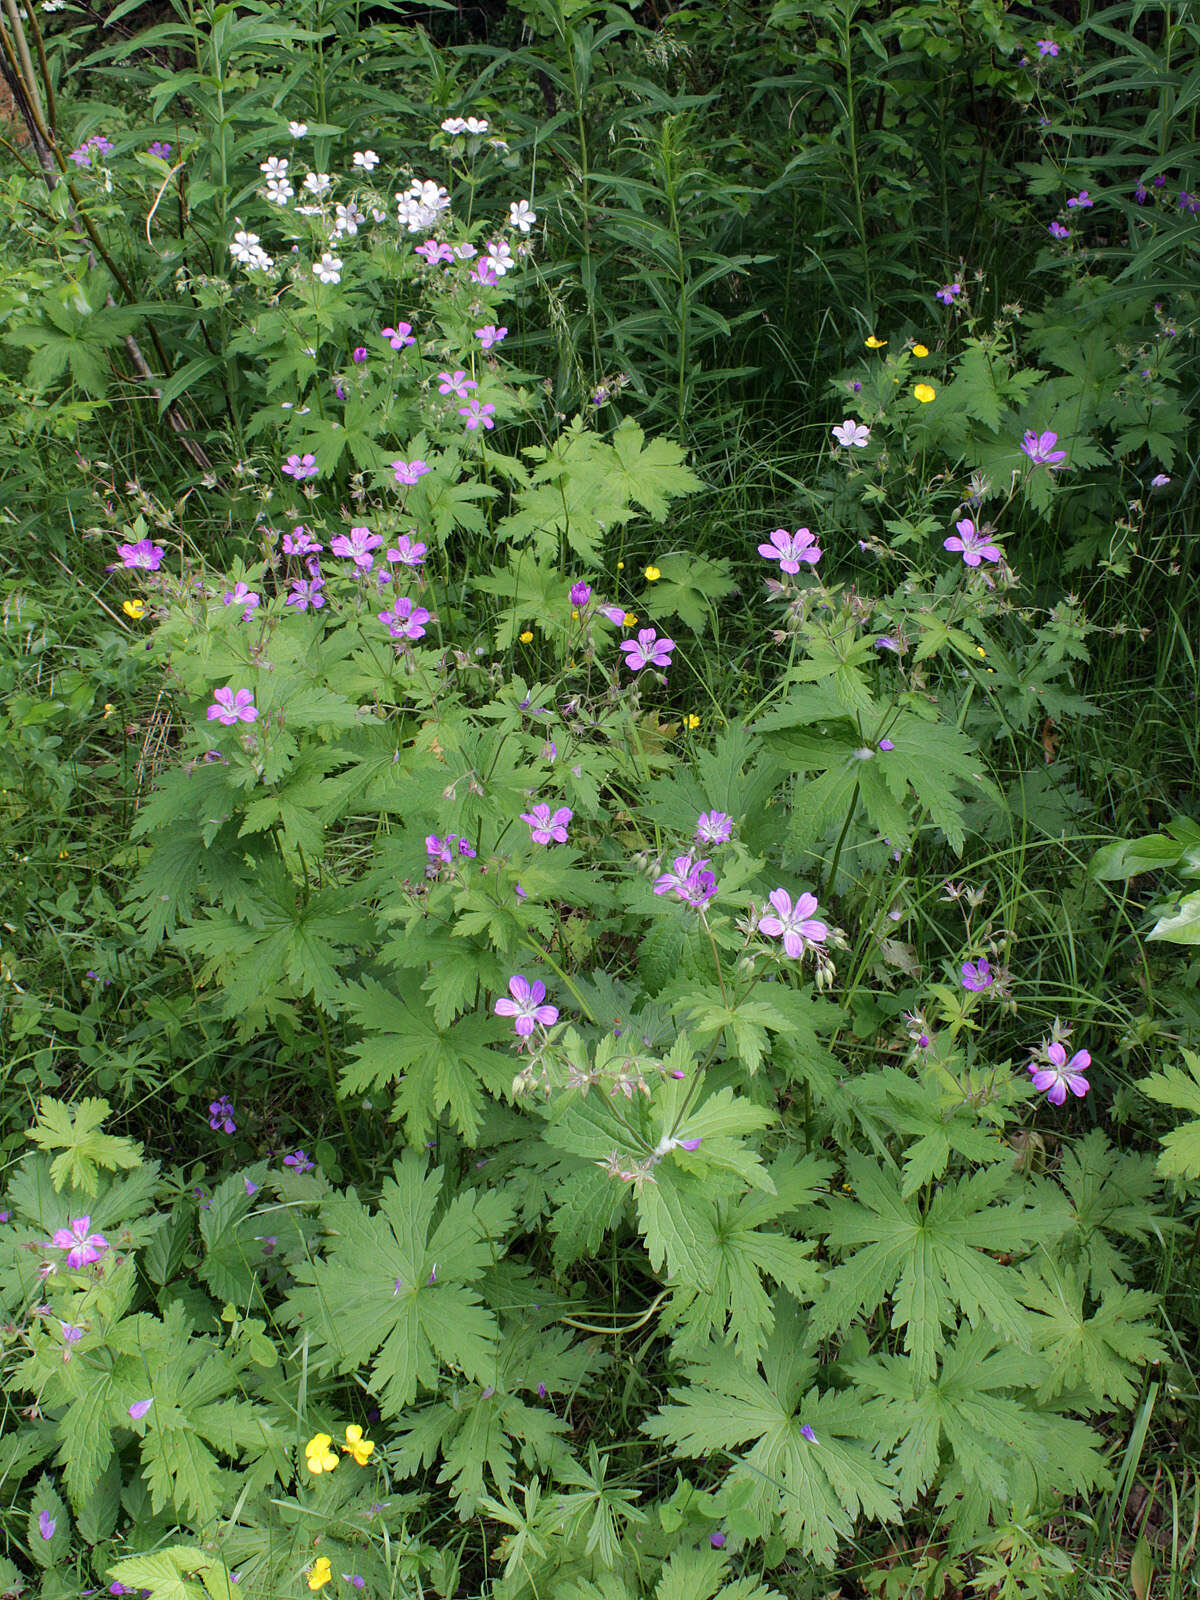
1179, 1087
1104, 1353
75, 1132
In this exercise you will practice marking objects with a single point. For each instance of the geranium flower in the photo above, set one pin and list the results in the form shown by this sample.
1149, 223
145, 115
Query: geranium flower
1039, 447
220, 1115
1057, 231
713, 827
300, 467
1061, 1074
299, 1161
546, 828
797, 925
357, 546
229, 708
46, 1525
852, 434
977, 976
526, 1006
82, 1247
949, 293
306, 593
328, 269
407, 552
690, 880
145, 554
398, 337
456, 383
406, 619
408, 472
647, 650
301, 543
477, 415
974, 545
790, 549
1081, 200
434, 251
490, 335
521, 215
1047, 47
242, 595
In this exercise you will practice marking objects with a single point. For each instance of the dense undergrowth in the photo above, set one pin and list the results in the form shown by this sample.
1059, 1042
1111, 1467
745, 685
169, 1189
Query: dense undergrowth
598, 737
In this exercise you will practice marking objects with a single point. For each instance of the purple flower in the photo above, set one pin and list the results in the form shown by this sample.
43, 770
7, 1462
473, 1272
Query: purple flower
790, 549
144, 554
160, 149
1047, 47
408, 472
647, 650
808, 1433
71, 1334
406, 619
465, 849
139, 1409
441, 849
300, 467
357, 546
399, 336
974, 545
886, 744
886, 642
299, 1161
977, 976
949, 293
353, 1579
1141, 194
526, 1006
544, 828
717, 1540
490, 335
1039, 447
46, 1525
306, 593
81, 1246
713, 827
1057, 230
690, 880
301, 543
484, 273
360, 355
477, 415
796, 923
1160, 480
1188, 202
1082, 200
1061, 1074
220, 1115
407, 552
230, 708
615, 614
242, 595
456, 383
251, 1186
581, 593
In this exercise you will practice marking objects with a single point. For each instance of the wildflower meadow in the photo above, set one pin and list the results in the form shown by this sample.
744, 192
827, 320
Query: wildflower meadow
598, 789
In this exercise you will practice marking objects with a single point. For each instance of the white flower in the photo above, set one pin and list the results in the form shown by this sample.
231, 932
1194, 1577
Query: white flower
297, 129
318, 183
274, 167
348, 220
279, 191
852, 433
366, 159
377, 215
453, 125
475, 125
521, 215
247, 250
419, 207
501, 258
53, 5
328, 269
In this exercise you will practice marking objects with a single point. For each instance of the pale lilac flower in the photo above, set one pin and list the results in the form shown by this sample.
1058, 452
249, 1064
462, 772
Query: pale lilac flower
328, 269
71, 1335
353, 1579
1061, 1074
977, 976
434, 251
230, 708
477, 414
1047, 47
81, 1246
406, 619
1082, 200
453, 125
886, 744
46, 1525
399, 336
220, 1115
1039, 447
796, 923
500, 257
301, 467
407, 472
297, 129
306, 593
647, 650
713, 827
1141, 194
456, 383
160, 149
973, 544
581, 593
807, 1432
690, 880
1159, 480
521, 215
418, 209
251, 1186
545, 828
366, 160
885, 641
490, 335
440, 849
615, 614
242, 595
347, 219
318, 184
407, 552
484, 273
1058, 231
790, 549
145, 554
299, 1161
357, 546
465, 251
526, 1006
301, 543
139, 1409
949, 293
852, 433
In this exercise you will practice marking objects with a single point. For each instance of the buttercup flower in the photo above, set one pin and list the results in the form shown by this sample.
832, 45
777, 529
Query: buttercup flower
974, 545
135, 609
1061, 1074
852, 434
82, 1246
1039, 447
525, 638
229, 708
977, 976
797, 925
545, 828
791, 549
647, 650
320, 1573
924, 392
652, 574
526, 1005
357, 1446
874, 344
920, 350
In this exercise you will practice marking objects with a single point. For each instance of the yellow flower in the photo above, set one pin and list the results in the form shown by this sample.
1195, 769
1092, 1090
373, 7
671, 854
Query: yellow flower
526, 637
629, 620
135, 609
574, 616
980, 651
109, 708
920, 350
652, 574
357, 1446
320, 1457
320, 1573
620, 566
924, 393
691, 720
875, 344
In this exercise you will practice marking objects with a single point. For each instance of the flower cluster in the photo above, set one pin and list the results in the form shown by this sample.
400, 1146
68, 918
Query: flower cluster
320, 1454
690, 880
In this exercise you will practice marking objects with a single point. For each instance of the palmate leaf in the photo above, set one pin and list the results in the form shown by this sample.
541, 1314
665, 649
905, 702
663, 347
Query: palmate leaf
1113, 1196
75, 1132
815, 1488
1104, 1352
1179, 1087
931, 1260
393, 1287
